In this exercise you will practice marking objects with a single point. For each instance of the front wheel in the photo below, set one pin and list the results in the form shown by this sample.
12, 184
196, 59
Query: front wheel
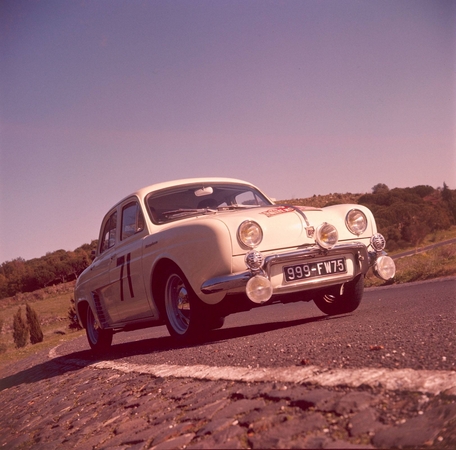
100, 340
181, 306
341, 300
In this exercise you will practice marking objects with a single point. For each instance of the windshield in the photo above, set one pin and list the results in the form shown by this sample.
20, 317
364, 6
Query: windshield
183, 201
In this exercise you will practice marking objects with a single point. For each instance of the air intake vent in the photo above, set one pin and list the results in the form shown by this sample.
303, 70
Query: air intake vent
99, 310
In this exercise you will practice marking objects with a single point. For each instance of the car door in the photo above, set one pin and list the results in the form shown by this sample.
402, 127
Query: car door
103, 294
126, 267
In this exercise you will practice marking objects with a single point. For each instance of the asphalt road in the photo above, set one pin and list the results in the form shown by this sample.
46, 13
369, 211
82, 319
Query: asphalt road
283, 376
396, 327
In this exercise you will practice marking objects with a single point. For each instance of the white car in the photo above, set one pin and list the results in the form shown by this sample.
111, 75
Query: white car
190, 252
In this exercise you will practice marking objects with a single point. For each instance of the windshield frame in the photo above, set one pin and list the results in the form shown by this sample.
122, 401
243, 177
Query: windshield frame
180, 202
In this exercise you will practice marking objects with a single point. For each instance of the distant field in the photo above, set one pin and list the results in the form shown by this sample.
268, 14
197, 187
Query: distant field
51, 304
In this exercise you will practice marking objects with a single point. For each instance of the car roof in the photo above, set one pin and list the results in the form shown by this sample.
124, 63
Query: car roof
141, 193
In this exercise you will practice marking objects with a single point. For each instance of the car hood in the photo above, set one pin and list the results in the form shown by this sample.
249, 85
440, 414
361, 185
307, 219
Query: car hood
286, 227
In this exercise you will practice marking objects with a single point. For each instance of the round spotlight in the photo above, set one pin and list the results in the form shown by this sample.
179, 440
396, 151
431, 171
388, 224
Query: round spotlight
259, 289
326, 235
385, 268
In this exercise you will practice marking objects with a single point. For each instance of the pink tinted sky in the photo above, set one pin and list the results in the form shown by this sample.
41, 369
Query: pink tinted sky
99, 98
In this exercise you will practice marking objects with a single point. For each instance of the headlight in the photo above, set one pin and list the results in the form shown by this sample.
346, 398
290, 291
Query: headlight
326, 235
356, 221
250, 234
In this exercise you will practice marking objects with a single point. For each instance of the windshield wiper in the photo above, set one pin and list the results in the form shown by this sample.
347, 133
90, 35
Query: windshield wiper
187, 212
231, 207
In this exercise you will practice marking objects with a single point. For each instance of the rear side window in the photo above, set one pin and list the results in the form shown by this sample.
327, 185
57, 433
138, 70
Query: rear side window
132, 220
108, 238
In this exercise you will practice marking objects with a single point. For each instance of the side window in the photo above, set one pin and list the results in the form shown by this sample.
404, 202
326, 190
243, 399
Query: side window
109, 233
132, 220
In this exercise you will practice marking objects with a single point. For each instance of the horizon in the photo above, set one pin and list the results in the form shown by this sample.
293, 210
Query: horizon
284, 199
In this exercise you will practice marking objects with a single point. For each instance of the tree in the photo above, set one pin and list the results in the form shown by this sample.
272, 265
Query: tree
3, 346
79, 260
446, 193
3, 286
450, 199
36, 334
20, 330
380, 188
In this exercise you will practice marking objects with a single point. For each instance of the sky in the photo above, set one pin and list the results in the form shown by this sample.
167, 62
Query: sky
100, 98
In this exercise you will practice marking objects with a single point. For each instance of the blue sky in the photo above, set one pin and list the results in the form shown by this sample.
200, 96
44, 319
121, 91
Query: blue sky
99, 98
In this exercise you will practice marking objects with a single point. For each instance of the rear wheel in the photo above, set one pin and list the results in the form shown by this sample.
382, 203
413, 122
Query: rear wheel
343, 299
100, 340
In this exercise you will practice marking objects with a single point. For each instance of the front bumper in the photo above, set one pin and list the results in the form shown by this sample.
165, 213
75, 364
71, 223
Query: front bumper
355, 251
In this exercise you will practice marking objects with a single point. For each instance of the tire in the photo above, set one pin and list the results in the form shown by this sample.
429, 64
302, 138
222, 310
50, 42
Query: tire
334, 302
100, 340
215, 322
186, 316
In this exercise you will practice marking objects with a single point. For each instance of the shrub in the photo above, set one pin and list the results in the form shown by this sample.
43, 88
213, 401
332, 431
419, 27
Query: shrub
3, 347
36, 334
73, 318
20, 330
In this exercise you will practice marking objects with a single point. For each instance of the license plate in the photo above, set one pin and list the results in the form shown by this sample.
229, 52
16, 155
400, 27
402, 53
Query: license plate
314, 269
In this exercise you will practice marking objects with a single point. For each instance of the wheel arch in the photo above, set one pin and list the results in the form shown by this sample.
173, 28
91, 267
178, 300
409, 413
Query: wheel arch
82, 312
157, 282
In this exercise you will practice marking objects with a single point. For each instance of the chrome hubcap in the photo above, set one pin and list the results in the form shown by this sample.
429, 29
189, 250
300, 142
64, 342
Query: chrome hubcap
92, 327
177, 304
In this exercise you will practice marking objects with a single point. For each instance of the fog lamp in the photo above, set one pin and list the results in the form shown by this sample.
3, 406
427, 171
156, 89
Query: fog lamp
259, 289
384, 268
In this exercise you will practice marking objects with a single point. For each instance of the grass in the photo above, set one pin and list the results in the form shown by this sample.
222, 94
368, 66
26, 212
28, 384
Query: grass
424, 265
436, 263
441, 235
51, 304
439, 262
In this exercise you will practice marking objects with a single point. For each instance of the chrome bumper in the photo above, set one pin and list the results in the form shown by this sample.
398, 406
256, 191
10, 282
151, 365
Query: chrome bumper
240, 279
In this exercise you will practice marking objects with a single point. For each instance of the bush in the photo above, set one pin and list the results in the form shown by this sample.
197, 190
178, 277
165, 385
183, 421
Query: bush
3, 346
73, 318
20, 330
36, 334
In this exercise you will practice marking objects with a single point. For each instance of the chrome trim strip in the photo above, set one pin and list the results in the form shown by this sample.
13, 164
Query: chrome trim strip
299, 211
226, 283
